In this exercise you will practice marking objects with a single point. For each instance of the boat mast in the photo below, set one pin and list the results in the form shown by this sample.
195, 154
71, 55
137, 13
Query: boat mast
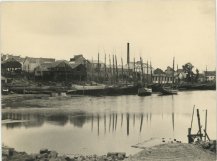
98, 67
105, 68
141, 63
110, 68
128, 60
173, 71
151, 71
92, 70
113, 69
147, 72
116, 64
134, 69
122, 69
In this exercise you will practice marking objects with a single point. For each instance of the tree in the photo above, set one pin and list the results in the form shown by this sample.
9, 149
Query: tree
190, 76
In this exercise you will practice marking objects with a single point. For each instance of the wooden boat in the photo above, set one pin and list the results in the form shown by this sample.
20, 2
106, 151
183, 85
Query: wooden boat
89, 89
168, 91
129, 89
144, 91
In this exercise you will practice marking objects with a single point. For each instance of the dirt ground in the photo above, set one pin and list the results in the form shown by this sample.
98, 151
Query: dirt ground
173, 152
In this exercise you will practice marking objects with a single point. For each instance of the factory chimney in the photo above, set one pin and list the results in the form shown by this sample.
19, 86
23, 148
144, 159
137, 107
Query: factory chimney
128, 53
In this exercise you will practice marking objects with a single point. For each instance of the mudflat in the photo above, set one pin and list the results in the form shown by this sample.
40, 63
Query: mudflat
174, 152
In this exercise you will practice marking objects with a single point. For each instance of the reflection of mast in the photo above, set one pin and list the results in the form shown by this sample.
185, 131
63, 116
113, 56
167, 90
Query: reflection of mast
121, 120
128, 122
116, 117
141, 123
105, 123
134, 120
92, 123
98, 124
113, 121
109, 122
173, 119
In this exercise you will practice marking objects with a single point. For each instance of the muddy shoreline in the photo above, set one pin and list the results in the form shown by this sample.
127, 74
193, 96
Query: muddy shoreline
198, 151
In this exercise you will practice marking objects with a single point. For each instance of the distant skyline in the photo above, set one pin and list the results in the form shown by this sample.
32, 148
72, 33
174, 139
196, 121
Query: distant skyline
157, 30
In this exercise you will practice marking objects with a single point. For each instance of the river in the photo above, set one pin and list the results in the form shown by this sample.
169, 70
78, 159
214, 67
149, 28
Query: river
97, 125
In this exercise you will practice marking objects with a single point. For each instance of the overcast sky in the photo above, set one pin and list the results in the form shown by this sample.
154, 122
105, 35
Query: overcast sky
156, 29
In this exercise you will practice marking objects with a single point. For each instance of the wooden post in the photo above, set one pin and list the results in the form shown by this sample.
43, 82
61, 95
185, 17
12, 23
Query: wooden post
205, 124
206, 135
190, 140
192, 117
199, 126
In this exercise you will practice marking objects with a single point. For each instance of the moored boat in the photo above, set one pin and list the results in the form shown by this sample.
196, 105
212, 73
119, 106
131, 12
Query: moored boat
144, 91
168, 91
89, 89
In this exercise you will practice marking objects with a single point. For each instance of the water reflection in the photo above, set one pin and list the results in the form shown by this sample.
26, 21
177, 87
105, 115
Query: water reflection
141, 123
128, 124
112, 121
79, 120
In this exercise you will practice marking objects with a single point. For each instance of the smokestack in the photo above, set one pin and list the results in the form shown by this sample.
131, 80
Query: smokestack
128, 53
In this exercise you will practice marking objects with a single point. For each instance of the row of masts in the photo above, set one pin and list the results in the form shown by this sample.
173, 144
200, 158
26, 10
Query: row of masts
114, 74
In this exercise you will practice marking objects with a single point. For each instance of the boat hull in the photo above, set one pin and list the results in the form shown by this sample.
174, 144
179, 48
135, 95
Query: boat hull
169, 91
144, 92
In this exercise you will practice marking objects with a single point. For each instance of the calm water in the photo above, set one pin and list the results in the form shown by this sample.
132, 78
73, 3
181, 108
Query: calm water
96, 125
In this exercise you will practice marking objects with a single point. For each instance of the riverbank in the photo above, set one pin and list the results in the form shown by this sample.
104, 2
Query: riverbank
24, 86
174, 152
169, 151
9, 154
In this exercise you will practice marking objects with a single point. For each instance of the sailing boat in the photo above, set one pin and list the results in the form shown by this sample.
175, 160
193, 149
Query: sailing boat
144, 90
170, 90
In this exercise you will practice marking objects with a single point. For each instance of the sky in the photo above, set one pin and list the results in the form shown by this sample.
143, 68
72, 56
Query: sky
157, 30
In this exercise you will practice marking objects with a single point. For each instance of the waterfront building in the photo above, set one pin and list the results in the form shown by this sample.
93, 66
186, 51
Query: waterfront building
78, 59
30, 64
210, 75
11, 67
61, 70
161, 77
5, 57
180, 75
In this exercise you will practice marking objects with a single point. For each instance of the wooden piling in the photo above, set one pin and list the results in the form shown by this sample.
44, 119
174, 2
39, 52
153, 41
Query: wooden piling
199, 126
192, 117
190, 140
205, 124
206, 135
